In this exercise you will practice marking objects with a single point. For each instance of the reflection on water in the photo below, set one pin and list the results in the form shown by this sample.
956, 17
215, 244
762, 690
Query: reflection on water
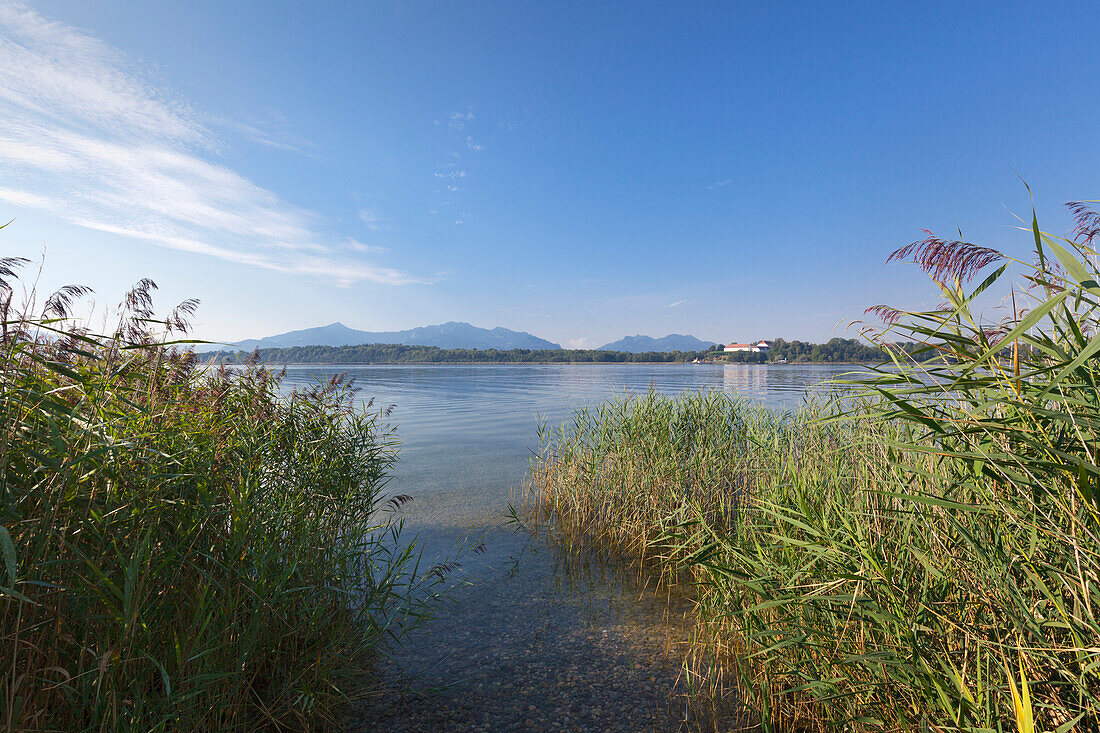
526, 642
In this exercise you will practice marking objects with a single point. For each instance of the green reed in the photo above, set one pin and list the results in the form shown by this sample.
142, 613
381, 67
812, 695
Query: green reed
185, 548
923, 556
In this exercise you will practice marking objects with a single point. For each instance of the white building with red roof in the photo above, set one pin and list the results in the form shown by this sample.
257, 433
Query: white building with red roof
758, 347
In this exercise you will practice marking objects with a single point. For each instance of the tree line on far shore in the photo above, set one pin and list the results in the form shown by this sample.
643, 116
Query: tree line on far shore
402, 354
836, 350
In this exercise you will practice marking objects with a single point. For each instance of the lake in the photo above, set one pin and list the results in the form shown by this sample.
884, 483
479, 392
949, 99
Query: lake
466, 433
528, 633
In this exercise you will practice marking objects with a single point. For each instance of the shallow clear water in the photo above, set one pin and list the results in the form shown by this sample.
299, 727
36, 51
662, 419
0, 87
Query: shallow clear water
529, 641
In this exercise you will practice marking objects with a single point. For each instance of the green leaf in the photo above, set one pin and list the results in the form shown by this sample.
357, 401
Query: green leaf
1074, 267
7, 548
1027, 322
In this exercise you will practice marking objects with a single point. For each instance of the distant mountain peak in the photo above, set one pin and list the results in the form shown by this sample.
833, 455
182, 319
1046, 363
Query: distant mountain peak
639, 343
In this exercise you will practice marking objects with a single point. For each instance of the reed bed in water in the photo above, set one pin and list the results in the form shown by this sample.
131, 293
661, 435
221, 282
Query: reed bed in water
681, 484
616, 475
928, 557
184, 548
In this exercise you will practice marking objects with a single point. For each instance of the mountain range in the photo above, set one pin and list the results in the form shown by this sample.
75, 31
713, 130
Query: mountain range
450, 335
454, 335
673, 342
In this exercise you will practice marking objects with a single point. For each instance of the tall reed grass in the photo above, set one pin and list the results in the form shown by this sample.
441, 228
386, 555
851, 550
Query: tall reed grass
184, 548
925, 556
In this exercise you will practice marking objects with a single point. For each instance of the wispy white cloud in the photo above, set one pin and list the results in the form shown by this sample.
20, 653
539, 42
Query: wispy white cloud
271, 134
86, 138
356, 246
459, 120
719, 184
677, 303
472, 145
581, 343
372, 218
26, 199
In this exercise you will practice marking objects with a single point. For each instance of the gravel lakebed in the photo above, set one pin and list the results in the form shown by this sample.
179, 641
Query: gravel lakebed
539, 643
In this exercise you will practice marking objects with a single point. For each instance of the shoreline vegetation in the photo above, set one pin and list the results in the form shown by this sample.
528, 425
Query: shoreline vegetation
924, 554
836, 351
182, 547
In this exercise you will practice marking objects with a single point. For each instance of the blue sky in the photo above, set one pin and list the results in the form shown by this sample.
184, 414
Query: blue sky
582, 171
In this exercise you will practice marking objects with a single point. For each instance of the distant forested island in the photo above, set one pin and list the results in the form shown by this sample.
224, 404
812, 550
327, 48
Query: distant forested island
836, 350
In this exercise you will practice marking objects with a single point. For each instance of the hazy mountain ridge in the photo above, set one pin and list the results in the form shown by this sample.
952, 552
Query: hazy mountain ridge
450, 335
672, 342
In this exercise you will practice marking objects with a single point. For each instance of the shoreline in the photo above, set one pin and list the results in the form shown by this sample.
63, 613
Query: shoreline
547, 363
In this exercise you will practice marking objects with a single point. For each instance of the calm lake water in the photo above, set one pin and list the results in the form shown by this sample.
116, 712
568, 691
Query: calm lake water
519, 615
466, 433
